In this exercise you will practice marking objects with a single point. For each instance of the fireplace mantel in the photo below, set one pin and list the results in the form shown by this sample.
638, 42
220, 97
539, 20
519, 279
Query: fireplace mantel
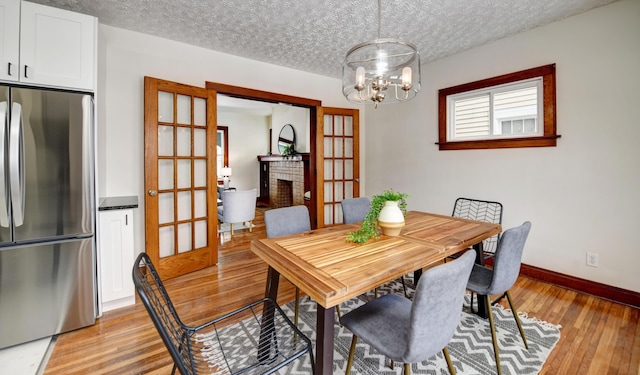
272, 158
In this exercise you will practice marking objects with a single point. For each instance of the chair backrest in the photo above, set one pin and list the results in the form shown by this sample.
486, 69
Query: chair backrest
287, 220
435, 313
506, 265
155, 299
238, 206
355, 209
481, 210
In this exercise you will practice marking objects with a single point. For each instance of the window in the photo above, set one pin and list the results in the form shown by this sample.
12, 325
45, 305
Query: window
513, 110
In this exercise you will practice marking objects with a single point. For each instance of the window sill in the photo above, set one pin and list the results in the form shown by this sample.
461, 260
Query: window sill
549, 141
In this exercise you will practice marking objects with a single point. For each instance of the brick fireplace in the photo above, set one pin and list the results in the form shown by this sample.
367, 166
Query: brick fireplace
286, 183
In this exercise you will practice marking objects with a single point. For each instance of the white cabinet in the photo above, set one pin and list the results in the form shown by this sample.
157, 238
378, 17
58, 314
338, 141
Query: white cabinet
9, 39
56, 47
116, 249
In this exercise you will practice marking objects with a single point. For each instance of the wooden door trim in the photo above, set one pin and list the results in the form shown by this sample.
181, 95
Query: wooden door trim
272, 97
265, 96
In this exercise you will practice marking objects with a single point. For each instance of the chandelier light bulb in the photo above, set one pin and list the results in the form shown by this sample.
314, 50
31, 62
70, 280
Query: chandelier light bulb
359, 78
406, 78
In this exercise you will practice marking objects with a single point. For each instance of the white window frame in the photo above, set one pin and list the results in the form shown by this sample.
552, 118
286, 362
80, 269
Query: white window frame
496, 118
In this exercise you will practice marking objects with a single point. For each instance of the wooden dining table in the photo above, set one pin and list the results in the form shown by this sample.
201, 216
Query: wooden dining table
331, 270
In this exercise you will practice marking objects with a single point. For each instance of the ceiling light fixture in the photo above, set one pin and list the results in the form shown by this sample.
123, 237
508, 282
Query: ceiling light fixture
372, 68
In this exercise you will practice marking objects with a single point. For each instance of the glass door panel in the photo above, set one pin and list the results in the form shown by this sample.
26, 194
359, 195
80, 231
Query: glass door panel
181, 219
340, 162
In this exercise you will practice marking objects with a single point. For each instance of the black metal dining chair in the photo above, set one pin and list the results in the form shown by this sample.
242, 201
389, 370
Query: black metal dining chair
255, 339
481, 210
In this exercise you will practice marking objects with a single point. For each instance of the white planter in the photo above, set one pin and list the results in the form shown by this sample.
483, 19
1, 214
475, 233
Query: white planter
391, 218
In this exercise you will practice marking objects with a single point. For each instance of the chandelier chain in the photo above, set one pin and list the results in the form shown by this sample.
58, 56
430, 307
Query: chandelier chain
379, 17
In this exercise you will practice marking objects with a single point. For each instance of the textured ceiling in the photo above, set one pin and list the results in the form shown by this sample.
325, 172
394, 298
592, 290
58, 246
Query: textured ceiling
314, 36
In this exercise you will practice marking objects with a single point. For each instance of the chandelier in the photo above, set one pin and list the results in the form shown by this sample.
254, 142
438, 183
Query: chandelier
381, 70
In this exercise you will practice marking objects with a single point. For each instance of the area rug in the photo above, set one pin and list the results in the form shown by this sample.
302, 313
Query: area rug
471, 348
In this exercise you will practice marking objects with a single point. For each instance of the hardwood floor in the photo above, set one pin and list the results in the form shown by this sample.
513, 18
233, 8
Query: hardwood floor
597, 336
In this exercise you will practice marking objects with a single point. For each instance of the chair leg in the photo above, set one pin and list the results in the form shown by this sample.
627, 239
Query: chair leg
338, 311
471, 303
297, 307
515, 315
352, 351
407, 369
404, 287
231, 225
452, 369
493, 335
250, 226
375, 293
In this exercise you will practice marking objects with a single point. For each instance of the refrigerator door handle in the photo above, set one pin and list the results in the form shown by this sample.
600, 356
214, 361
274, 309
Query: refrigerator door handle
87, 166
16, 165
4, 207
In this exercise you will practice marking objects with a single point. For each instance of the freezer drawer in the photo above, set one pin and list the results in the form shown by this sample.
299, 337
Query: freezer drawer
46, 289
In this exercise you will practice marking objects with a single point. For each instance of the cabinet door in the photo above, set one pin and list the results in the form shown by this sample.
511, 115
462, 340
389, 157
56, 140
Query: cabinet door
116, 258
57, 47
9, 39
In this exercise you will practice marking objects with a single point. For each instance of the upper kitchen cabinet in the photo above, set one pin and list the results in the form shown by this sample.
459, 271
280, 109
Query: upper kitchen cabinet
56, 47
9, 39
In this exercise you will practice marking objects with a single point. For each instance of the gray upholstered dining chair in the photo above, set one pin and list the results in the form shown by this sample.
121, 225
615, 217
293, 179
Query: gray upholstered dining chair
411, 332
353, 211
237, 207
506, 268
288, 220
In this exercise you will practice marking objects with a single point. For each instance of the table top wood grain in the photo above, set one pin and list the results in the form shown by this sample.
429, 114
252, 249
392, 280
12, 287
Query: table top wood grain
331, 270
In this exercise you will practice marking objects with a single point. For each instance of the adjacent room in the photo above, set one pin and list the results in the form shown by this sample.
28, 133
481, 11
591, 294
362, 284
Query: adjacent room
225, 152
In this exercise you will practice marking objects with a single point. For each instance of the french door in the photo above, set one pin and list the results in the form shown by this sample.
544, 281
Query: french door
180, 176
338, 145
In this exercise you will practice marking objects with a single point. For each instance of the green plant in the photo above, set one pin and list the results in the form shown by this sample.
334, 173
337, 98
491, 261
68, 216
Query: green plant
289, 151
369, 227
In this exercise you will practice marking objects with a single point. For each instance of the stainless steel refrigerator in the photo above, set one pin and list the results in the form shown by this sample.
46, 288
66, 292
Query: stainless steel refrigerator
47, 213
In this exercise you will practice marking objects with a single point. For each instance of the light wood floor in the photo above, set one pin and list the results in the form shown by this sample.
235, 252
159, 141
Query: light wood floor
597, 336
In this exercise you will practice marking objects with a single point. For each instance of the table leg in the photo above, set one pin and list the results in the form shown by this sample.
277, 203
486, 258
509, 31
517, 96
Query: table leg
416, 276
271, 291
324, 341
483, 309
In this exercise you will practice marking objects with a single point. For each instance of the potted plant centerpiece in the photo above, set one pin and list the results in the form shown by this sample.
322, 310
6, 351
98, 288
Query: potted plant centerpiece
387, 211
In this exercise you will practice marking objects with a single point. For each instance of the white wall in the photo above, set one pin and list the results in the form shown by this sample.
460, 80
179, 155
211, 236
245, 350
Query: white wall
248, 138
125, 57
299, 118
581, 195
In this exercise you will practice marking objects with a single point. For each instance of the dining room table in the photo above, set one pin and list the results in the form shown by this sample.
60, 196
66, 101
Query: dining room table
331, 270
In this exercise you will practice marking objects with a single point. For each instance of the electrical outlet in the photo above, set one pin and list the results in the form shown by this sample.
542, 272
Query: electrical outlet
593, 259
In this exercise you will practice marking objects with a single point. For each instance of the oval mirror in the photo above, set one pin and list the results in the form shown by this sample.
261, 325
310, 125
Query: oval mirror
286, 139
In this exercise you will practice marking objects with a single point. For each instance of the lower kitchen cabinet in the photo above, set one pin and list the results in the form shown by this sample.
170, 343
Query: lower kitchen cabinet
116, 249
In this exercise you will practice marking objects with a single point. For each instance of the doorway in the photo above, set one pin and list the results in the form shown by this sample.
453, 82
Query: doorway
270, 97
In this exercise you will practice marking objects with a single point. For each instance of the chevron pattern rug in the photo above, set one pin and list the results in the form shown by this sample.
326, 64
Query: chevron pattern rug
471, 348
